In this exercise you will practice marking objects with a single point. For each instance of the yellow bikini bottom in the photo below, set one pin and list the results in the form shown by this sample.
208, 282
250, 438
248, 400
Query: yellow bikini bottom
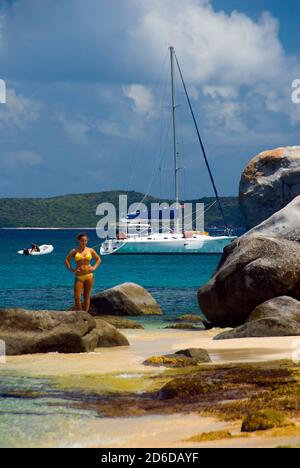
84, 278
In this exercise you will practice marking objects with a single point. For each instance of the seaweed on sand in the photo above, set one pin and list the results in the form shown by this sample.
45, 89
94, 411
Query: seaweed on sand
228, 392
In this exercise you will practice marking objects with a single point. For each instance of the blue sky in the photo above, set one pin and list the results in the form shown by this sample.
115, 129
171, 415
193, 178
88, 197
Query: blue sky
88, 92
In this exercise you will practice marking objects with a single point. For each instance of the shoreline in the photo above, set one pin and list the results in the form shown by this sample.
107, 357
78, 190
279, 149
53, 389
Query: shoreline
121, 370
155, 342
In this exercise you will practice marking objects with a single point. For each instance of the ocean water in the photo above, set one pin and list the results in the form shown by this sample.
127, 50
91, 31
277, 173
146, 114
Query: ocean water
44, 282
46, 420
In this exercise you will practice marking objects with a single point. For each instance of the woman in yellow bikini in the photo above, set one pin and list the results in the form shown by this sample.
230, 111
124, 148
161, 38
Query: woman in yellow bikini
84, 278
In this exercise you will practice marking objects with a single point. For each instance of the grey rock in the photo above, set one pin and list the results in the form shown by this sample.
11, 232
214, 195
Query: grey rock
284, 308
193, 318
30, 332
127, 299
121, 322
184, 326
182, 358
270, 181
195, 353
253, 269
285, 224
266, 327
109, 336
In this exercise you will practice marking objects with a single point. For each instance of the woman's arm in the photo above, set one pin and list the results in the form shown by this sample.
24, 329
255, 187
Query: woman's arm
97, 258
68, 261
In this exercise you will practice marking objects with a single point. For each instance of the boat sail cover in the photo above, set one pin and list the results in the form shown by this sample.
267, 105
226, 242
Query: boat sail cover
162, 214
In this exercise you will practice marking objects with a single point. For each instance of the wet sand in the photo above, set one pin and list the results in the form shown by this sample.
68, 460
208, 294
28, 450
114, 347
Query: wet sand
156, 431
173, 432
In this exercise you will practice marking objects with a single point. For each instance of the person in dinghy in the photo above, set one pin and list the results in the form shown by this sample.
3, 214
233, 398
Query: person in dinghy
84, 271
34, 248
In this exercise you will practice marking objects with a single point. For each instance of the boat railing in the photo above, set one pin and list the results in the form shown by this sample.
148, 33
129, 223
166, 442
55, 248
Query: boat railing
220, 232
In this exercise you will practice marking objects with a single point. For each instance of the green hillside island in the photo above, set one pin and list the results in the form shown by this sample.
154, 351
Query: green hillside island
78, 211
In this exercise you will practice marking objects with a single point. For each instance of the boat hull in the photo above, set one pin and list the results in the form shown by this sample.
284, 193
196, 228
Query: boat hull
176, 246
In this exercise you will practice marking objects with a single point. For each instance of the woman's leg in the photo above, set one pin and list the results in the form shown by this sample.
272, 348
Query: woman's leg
78, 289
88, 285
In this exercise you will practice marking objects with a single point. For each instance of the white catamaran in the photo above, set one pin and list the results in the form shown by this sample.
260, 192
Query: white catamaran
174, 241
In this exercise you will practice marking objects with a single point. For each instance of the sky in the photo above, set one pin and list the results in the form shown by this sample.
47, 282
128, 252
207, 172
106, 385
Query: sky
88, 92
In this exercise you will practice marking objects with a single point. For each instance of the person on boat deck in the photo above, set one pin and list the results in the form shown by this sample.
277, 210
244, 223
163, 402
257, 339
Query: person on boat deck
34, 248
84, 277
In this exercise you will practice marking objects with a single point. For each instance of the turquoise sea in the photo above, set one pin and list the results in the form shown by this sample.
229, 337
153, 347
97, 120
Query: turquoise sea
44, 282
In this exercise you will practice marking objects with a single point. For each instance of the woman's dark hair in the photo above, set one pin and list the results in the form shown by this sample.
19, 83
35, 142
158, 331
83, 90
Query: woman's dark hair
81, 235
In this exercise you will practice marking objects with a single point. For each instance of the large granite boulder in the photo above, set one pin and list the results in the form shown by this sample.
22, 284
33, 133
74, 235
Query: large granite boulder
262, 328
29, 332
278, 317
284, 308
285, 224
122, 322
269, 182
253, 269
109, 336
127, 299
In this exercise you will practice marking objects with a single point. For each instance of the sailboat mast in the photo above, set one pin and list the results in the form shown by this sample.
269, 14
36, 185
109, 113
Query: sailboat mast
175, 149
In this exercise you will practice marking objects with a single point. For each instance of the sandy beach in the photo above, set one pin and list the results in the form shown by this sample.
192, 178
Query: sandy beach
96, 371
155, 432
146, 343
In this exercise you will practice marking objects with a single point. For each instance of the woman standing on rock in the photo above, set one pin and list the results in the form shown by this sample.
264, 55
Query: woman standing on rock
84, 278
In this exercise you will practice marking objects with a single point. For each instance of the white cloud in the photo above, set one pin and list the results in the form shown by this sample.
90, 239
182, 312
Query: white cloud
226, 114
142, 98
222, 53
77, 129
19, 111
219, 91
232, 49
19, 159
110, 129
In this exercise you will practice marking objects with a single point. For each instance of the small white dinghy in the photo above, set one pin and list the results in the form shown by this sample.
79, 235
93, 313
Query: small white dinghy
44, 250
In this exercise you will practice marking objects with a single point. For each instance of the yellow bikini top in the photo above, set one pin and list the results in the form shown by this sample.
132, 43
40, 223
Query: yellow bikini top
79, 257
